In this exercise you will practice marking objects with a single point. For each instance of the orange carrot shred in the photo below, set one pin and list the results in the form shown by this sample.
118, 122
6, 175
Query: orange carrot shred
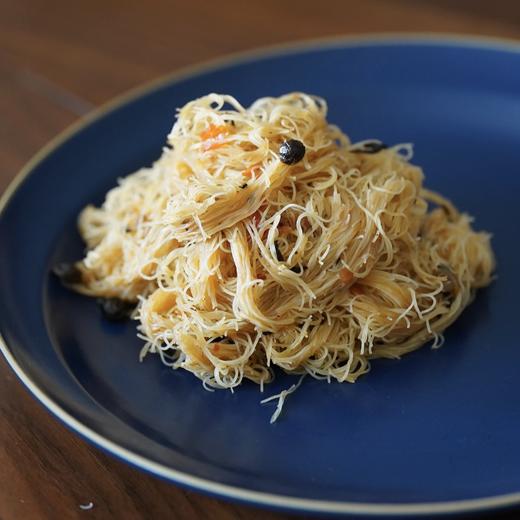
212, 146
345, 275
250, 171
213, 131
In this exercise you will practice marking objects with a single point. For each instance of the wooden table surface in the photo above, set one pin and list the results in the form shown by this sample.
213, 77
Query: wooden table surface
58, 60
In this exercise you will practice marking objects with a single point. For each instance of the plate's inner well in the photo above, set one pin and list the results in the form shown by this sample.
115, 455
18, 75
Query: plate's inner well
436, 426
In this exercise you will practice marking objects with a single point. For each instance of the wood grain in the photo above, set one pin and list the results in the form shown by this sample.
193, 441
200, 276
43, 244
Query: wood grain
58, 59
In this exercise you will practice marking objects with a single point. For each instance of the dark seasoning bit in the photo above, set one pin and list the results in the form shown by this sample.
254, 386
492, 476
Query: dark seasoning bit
371, 147
169, 351
115, 309
68, 273
291, 151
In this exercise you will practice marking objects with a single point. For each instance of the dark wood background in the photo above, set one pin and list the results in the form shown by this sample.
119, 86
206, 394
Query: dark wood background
58, 60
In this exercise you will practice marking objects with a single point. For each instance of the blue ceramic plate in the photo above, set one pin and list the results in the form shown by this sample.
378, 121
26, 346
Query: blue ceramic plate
435, 432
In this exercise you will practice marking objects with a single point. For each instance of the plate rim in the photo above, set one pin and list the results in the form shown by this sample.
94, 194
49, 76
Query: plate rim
209, 486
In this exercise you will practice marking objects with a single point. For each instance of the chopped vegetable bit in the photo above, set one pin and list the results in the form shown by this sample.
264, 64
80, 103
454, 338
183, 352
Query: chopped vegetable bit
213, 146
214, 131
213, 137
291, 151
345, 275
250, 171
67, 273
115, 309
371, 147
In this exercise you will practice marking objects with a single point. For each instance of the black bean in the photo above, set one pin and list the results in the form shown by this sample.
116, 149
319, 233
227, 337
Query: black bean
68, 273
371, 147
115, 309
243, 186
291, 151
